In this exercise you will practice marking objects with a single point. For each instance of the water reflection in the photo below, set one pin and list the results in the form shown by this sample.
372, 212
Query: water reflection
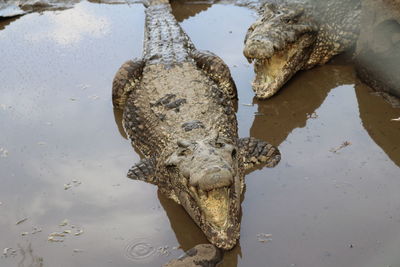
70, 26
297, 102
5, 22
28, 258
183, 9
376, 116
186, 231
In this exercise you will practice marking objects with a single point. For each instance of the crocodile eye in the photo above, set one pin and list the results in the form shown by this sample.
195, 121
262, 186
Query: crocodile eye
219, 145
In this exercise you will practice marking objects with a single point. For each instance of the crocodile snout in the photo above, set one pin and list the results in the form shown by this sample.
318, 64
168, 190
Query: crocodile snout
210, 178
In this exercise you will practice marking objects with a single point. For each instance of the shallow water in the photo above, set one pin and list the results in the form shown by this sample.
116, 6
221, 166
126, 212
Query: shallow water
63, 155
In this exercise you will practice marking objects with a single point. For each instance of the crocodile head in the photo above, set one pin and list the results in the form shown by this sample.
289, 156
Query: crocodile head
280, 43
208, 183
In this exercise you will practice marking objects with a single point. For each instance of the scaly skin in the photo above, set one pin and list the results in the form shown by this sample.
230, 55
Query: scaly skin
178, 111
294, 36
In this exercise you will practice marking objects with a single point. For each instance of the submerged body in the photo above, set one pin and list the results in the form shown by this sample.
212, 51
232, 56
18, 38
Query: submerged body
178, 111
293, 36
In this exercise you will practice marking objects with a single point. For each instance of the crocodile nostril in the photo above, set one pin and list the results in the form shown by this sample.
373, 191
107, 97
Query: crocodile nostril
234, 154
215, 169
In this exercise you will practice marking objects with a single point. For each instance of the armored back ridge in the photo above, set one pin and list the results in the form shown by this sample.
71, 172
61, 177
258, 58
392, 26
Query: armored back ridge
165, 42
178, 111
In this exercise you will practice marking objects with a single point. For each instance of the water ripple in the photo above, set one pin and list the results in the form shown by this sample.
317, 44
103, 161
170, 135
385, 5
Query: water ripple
139, 249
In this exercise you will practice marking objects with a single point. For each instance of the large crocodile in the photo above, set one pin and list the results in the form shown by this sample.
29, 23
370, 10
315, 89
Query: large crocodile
297, 35
178, 111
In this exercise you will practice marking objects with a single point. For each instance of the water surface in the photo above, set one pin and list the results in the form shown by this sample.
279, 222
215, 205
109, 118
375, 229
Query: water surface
63, 155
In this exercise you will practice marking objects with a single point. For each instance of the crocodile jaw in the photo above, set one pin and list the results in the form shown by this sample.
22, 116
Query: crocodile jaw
274, 71
216, 212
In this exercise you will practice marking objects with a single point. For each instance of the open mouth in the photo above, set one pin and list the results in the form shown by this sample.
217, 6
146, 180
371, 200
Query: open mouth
273, 72
215, 212
214, 204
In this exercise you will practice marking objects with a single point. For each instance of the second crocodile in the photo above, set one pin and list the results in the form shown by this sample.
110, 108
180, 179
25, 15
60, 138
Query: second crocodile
297, 35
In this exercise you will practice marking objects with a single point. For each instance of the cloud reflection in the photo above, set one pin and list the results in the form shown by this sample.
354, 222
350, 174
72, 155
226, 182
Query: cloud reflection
71, 26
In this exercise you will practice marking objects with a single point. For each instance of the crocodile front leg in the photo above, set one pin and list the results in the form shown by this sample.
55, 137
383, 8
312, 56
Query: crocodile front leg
125, 80
255, 151
217, 70
144, 171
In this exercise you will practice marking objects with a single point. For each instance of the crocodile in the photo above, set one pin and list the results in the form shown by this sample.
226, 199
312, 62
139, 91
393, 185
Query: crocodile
178, 111
298, 35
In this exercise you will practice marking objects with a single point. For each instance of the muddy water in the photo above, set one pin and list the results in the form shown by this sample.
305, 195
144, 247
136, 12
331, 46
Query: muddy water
63, 155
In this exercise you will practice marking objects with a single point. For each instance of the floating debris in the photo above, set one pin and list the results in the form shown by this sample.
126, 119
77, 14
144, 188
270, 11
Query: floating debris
73, 183
36, 230
72, 99
64, 222
312, 115
67, 186
3, 152
343, 145
5, 251
76, 182
76, 250
59, 234
41, 143
9, 252
24, 233
80, 231
163, 251
264, 238
21, 221
53, 239
398, 119
84, 86
94, 97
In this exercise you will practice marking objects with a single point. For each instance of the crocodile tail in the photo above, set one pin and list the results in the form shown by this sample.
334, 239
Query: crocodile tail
148, 3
